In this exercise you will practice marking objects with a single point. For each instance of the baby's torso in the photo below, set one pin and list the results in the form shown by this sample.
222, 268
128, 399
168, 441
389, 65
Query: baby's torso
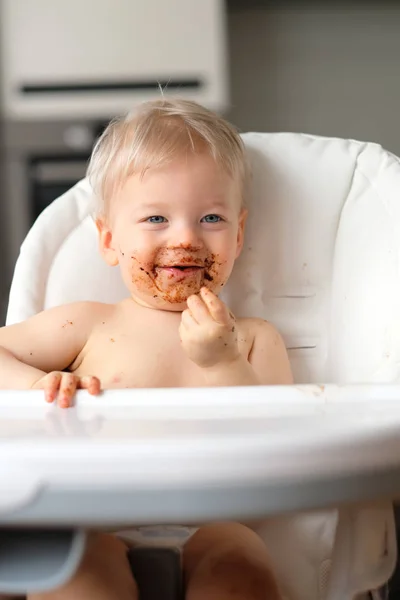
138, 348
134, 347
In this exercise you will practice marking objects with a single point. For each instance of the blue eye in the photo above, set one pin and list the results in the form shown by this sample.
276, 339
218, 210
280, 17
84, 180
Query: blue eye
157, 219
211, 219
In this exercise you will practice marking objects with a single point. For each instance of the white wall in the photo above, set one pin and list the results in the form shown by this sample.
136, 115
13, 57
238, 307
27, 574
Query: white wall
325, 71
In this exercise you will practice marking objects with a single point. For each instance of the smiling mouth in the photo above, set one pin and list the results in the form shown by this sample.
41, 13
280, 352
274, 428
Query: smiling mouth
181, 267
180, 272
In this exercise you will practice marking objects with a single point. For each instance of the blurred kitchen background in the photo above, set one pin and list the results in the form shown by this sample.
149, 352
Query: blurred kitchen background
68, 66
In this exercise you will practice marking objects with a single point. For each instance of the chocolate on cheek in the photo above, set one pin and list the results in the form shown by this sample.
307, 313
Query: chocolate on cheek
214, 276
142, 275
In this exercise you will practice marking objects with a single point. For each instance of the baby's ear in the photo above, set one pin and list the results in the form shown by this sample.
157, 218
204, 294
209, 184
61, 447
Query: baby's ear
240, 234
106, 246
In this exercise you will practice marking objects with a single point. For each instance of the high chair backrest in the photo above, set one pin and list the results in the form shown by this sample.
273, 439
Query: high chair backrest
321, 261
320, 258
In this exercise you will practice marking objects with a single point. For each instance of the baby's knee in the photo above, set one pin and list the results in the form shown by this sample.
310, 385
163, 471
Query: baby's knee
232, 574
228, 561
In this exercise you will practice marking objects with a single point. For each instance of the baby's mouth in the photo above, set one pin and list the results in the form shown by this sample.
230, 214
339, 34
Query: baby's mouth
188, 270
179, 270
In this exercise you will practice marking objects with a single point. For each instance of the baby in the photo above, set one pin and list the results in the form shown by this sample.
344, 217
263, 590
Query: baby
169, 182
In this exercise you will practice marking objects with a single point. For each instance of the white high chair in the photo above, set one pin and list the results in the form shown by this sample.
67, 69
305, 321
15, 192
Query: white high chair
321, 262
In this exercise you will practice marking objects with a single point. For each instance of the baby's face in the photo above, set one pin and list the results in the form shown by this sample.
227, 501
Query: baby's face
175, 230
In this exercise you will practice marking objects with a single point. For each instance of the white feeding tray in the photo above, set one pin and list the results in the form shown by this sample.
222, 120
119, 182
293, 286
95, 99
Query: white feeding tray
156, 456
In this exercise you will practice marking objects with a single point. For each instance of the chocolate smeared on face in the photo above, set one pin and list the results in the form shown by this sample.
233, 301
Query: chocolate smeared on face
208, 264
174, 274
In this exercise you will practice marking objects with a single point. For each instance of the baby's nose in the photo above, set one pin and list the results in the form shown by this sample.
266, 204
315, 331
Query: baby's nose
187, 237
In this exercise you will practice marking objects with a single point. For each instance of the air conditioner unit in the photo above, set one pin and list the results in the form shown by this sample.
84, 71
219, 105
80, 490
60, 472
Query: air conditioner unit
97, 58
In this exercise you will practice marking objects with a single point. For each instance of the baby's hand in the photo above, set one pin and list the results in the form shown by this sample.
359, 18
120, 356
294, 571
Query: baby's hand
207, 330
64, 385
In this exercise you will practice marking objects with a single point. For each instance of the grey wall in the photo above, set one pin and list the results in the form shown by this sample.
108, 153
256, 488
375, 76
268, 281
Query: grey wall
327, 71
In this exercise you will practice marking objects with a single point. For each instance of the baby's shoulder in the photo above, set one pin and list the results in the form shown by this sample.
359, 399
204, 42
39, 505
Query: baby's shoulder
254, 329
79, 313
255, 326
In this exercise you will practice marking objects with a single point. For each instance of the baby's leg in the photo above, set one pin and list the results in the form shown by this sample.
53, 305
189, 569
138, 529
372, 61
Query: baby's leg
103, 575
226, 561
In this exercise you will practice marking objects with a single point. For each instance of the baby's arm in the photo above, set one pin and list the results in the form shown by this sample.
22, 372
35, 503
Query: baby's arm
48, 341
268, 356
267, 364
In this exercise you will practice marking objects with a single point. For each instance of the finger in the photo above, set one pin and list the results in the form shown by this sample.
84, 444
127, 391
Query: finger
187, 319
91, 384
67, 389
198, 309
51, 385
217, 309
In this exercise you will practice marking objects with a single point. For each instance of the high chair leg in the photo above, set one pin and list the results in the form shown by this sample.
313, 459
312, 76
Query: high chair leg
157, 572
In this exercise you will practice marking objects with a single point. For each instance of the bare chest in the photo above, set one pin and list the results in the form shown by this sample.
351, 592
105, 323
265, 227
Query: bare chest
141, 359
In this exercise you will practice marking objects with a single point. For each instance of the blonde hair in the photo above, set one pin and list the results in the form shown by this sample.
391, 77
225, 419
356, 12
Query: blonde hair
156, 133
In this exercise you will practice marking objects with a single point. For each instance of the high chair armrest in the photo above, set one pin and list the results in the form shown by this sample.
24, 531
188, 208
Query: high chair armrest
37, 560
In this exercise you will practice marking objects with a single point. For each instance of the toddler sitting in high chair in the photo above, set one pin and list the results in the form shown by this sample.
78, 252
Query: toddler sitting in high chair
169, 183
